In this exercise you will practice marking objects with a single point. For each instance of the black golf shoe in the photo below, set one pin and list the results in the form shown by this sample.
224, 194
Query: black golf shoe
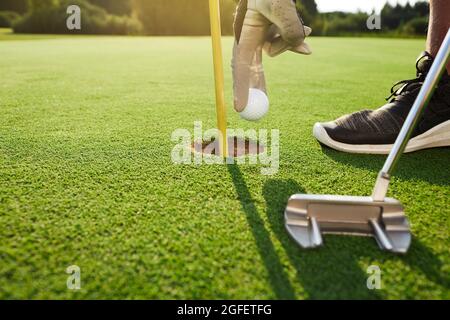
376, 131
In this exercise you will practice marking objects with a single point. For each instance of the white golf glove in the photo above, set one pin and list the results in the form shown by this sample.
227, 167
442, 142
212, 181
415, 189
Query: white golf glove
270, 25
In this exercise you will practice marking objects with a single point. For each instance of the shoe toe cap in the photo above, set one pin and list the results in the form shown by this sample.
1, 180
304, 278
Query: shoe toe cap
329, 133
320, 131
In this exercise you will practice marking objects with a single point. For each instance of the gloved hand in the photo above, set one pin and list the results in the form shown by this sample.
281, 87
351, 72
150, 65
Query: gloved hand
270, 25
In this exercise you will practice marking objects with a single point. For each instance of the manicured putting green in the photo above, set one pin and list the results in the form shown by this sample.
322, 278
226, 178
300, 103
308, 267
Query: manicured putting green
86, 176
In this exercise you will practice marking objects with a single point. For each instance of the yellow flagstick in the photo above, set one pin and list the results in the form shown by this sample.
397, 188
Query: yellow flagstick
216, 35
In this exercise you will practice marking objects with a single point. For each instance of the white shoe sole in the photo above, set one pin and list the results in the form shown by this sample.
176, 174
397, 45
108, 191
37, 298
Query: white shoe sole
438, 136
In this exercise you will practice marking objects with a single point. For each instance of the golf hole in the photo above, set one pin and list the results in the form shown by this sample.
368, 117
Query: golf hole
237, 147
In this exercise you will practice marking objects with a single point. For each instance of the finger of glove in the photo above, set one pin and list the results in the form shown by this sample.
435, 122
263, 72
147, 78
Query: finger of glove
251, 39
257, 77
284, 16
304, 48
239, 18
276, 45
272, 33
241, 65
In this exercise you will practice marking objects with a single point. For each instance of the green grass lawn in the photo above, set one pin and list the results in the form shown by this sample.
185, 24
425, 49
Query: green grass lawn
86, 176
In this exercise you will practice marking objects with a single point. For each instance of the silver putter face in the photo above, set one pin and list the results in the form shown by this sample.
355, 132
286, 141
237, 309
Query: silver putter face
308, 216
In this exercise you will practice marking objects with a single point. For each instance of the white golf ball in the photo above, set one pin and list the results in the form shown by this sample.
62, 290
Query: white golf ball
257, 107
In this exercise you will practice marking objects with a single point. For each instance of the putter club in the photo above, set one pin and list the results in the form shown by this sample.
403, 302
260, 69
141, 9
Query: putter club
308, 216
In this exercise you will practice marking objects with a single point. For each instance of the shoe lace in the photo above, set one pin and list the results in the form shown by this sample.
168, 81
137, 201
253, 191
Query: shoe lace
401, 87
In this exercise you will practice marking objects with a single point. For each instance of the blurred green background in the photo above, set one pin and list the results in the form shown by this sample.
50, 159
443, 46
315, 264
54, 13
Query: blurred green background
190, 17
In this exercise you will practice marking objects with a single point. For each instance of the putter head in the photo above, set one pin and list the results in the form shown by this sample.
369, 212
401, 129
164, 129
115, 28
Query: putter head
308, 216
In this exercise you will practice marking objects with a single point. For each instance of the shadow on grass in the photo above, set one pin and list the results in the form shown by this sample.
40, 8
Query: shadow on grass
333, 271
278, 277
428, 165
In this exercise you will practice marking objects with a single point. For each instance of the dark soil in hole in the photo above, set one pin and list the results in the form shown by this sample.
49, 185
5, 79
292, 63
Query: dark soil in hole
236, 147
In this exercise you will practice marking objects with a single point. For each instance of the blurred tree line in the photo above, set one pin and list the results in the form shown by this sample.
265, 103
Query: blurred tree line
150, 17
398, 20
49, 16
406, 19
191, 17
181, 17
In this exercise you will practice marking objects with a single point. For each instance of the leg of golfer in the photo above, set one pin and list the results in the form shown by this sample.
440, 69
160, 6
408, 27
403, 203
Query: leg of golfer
439, 25
375, 131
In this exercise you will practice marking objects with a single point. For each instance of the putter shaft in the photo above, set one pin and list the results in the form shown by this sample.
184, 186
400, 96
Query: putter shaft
422, 100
